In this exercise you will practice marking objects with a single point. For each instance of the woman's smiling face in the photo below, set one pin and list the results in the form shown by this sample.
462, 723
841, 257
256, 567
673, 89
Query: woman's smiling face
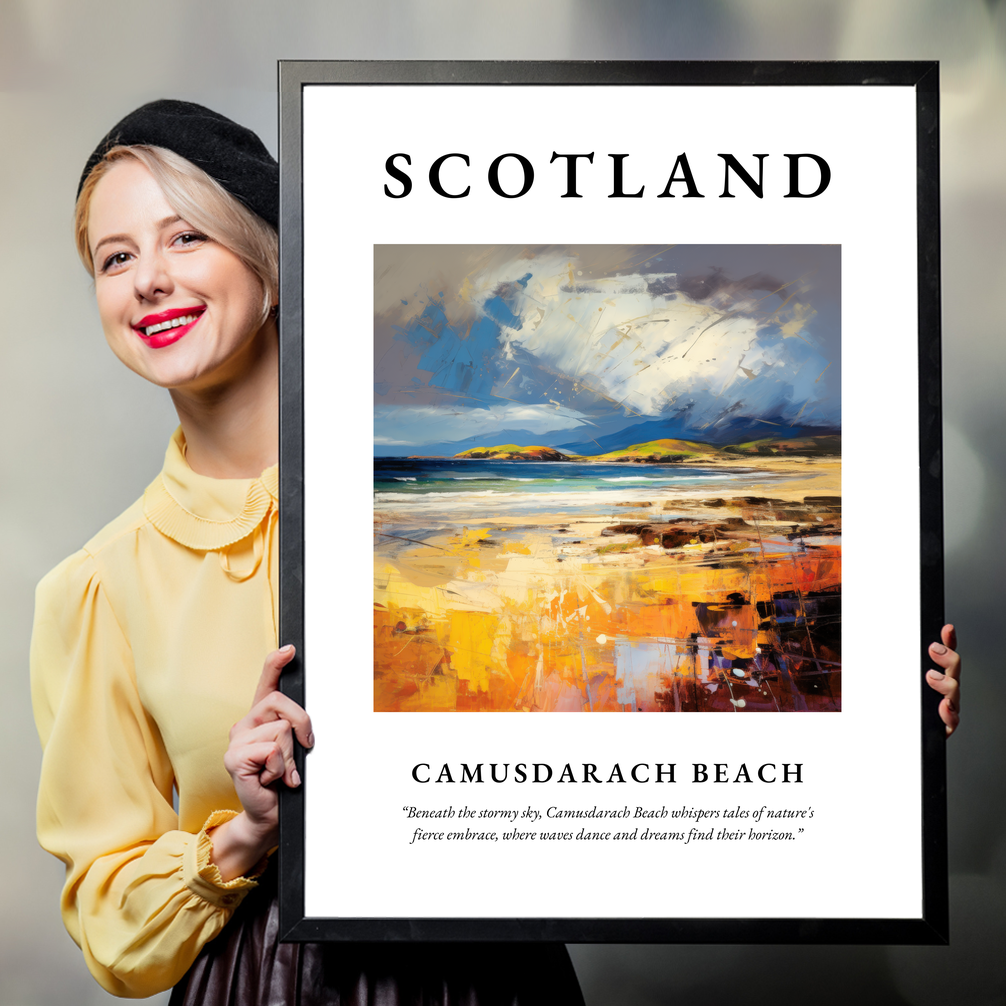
177, 308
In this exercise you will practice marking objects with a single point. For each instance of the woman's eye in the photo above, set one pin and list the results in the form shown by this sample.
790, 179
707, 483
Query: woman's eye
114, 261
190, 238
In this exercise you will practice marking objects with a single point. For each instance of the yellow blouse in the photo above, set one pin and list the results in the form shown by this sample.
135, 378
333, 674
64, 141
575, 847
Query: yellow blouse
147, 647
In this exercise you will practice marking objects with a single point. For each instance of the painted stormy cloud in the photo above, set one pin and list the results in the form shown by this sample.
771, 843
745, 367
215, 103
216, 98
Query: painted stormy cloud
603, 346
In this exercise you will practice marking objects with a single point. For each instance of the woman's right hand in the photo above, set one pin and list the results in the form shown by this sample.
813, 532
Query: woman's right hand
260, 753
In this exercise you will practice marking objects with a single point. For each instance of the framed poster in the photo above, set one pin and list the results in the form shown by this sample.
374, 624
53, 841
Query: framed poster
612, 389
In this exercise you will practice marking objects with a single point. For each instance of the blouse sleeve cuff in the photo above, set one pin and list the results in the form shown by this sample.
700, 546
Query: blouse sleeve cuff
202, 876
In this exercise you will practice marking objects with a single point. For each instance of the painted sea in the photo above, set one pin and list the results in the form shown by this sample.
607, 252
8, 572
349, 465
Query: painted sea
448, 485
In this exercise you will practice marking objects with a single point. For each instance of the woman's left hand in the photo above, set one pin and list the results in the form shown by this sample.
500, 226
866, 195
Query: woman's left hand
947, 682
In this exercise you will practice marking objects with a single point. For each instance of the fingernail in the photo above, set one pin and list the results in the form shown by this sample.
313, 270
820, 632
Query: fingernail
936, 675
295, 777
287, 649
310, 740
938, 648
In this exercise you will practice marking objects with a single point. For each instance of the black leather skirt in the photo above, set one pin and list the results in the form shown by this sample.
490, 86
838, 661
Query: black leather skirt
246, 965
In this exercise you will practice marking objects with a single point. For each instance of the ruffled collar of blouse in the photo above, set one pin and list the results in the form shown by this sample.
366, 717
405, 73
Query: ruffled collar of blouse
204, 513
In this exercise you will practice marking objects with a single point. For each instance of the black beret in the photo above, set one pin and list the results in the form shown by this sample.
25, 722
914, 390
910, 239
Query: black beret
230, 154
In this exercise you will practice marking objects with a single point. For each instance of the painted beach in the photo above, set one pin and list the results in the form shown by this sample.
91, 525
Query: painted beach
542, 543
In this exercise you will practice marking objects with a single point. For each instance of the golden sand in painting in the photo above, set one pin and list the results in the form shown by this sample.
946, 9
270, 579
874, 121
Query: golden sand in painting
686, 601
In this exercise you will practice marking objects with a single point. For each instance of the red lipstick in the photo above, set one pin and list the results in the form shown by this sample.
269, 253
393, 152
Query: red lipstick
166, 327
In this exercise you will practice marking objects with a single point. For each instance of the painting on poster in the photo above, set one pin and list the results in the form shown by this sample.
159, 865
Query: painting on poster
498, 348
607, 478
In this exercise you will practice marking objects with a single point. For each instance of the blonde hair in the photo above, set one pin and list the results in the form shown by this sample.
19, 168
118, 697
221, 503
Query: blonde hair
199, 200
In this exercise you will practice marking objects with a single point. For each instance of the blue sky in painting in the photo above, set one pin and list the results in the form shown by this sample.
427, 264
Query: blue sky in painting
603, 345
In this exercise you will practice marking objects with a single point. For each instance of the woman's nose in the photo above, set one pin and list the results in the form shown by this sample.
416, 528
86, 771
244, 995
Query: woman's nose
152, 277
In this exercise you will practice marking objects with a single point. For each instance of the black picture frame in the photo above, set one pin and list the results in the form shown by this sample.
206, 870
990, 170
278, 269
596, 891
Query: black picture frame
931, 927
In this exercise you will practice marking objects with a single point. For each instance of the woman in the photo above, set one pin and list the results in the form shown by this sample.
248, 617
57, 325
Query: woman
148, 643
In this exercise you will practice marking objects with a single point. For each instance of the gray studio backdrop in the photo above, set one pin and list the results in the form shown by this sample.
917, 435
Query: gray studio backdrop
82, 437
